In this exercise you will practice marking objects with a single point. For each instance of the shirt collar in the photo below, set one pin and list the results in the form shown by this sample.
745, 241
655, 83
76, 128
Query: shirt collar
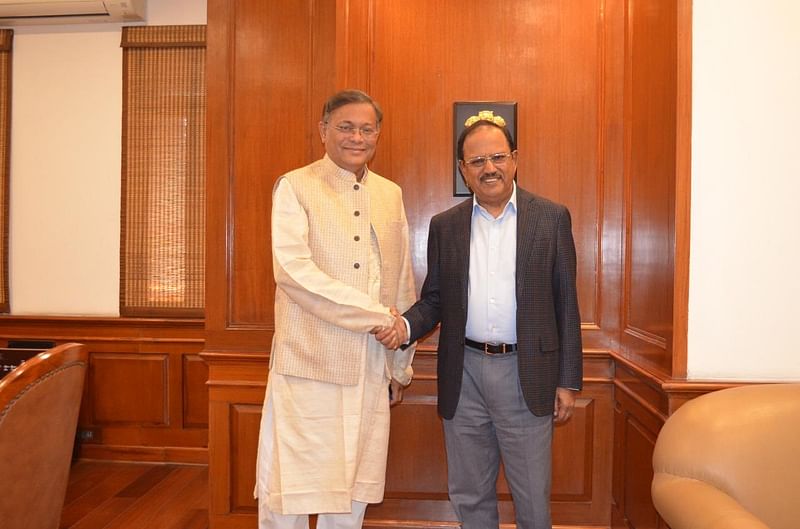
510, 205
341, 172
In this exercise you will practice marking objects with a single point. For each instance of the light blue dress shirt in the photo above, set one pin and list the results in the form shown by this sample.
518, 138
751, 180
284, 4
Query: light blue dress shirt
492, 297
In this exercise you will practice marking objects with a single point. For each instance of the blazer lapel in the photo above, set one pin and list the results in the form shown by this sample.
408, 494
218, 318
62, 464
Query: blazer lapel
527, 219
463, 227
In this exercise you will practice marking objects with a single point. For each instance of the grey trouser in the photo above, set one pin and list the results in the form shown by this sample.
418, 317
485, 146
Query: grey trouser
492, 421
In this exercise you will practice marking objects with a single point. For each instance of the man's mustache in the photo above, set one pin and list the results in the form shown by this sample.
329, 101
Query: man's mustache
493, 174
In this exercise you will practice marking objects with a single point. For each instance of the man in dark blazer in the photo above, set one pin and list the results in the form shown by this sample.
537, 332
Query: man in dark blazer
501, 281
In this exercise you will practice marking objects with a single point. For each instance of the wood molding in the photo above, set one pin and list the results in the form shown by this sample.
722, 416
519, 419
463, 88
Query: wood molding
612, 236
158, 454
355, 36
683, 189
101, 328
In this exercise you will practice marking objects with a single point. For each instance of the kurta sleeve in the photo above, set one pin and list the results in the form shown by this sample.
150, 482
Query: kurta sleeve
406, 295
304, 282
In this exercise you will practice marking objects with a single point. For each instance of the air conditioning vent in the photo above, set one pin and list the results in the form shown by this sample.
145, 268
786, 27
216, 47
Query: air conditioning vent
28, 12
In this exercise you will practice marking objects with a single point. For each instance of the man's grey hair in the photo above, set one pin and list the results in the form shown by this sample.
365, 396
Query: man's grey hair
347, 97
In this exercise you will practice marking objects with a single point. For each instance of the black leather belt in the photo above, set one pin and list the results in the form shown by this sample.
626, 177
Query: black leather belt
492, 348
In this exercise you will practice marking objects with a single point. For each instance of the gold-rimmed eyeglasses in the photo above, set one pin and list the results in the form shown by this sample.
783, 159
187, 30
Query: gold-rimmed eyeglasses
499, 158
367, 132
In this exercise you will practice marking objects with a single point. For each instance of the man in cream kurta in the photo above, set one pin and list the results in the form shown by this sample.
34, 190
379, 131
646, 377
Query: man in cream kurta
341, 260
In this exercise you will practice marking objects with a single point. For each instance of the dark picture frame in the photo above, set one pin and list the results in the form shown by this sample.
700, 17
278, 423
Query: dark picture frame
463, 110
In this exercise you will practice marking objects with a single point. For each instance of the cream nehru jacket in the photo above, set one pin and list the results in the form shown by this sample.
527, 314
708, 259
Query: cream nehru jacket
321, 330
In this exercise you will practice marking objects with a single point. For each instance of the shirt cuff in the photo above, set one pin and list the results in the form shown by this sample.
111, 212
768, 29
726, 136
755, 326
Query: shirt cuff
403, 376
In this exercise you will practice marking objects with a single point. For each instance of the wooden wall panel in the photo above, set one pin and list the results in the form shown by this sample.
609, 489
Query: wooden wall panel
650, 55
269, 107
195, 395
637, 423
414, 59
611, 231
271, 65
416, 481
236, 393
596, 83
638, 453
416, 486
573, 448
245, 423
145, 396
547, 55
417, 466
115, 378
638, 417
582, 451
412, 56
618, 470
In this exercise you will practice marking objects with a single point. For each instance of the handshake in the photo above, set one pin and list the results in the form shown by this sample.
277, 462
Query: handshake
392, 336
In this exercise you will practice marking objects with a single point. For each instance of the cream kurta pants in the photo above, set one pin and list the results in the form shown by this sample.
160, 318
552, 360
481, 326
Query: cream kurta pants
323, 446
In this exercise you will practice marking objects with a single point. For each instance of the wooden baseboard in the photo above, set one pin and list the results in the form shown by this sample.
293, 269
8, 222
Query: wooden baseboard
153, 454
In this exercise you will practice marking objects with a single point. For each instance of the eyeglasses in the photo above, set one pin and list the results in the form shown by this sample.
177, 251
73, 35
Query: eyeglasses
366, 132
499, 158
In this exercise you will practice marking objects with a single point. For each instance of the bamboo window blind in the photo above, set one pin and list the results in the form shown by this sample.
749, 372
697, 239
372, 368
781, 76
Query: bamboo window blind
162, 244
6, 38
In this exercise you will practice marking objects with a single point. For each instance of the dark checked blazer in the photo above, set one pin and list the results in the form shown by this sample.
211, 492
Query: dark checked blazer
548, 322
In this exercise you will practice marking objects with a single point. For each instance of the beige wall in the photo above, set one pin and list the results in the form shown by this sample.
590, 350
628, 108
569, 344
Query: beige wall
65, 163
745, 249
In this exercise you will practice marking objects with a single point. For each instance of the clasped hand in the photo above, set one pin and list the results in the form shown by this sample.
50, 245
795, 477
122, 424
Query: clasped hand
392, 336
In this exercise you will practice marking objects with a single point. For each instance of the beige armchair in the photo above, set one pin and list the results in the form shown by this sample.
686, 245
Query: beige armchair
39, 404
731, 460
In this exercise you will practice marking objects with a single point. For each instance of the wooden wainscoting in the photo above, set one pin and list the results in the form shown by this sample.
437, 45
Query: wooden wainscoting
416, 481
643, 400
145, 397
236, 386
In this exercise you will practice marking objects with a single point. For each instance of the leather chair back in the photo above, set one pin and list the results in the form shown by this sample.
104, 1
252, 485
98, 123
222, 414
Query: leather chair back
39, 405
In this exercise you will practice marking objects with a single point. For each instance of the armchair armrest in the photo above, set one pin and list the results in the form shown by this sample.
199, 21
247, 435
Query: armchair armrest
696, 504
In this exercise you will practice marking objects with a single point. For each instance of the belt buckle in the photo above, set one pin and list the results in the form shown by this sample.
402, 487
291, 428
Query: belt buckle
502, 347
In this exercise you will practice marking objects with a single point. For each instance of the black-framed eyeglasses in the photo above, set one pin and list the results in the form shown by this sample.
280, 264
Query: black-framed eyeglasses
366, 131
499, 158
